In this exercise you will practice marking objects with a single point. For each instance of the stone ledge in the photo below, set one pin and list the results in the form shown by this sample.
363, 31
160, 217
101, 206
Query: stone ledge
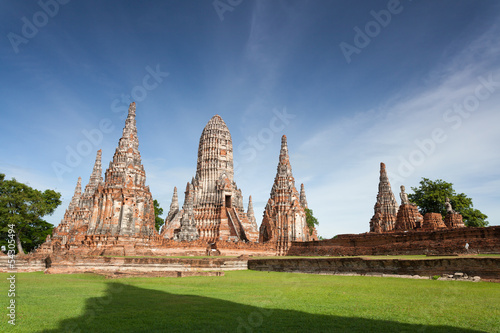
135, 273
486, 268
152, 265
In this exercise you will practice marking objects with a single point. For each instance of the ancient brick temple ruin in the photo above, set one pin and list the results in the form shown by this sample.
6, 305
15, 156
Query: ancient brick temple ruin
74, 225
408, 217
124, 203
386, 207
388, 217
213, 205
284, 217
452, 218
115, 215
121, 205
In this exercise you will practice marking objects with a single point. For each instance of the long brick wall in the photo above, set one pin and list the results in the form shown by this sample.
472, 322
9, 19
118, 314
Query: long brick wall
104, 245
481, 240
146, 265
22, 264
486, 268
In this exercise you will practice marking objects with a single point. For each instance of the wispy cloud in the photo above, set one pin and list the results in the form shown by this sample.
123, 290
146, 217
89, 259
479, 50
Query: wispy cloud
346, 153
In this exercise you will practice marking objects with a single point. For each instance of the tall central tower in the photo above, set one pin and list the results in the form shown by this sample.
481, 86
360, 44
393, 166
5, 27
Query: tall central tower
212, 196
215, 165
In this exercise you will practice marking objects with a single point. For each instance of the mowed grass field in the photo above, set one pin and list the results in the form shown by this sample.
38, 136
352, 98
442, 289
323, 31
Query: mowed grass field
249, 301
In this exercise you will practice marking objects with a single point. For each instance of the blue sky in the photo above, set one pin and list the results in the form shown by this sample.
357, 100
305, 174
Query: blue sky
418, 90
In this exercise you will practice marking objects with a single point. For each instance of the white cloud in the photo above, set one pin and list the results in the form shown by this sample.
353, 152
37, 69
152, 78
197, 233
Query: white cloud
343, 156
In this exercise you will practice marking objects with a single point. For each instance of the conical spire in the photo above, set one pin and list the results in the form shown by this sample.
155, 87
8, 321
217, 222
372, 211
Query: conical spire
284, 167
175, 200
284, 180
386, 207
77, 195
129, 136
188, 230
187, 206
95, 176
250, 213
303, 199
385, 196
126, 168
174, 207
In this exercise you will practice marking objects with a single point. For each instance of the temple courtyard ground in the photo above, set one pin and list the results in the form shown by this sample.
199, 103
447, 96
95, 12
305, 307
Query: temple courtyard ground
251, 301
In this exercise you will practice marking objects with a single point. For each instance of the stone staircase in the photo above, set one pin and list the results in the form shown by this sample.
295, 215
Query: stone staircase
235, 222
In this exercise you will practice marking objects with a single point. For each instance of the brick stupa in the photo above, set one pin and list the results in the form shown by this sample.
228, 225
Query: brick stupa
212, 195
124, 205
408, 217
121, 205
386, 207
284, 216
74, 225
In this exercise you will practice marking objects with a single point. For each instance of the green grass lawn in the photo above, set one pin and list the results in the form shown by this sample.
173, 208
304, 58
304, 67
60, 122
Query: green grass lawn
250, 301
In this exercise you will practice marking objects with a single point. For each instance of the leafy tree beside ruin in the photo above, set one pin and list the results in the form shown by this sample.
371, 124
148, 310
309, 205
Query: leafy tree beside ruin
158, 212
23, 208
430, 197
311, 220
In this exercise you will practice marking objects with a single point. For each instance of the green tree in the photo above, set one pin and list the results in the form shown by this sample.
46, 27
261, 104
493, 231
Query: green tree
158, 212
23, 208
430, 197
311, 220
474, 218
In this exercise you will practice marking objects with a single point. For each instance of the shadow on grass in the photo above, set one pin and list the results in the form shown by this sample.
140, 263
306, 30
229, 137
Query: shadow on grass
126, 308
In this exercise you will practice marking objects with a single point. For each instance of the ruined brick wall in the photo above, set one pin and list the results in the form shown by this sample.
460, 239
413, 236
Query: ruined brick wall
481, 240
487, 268
79, 264
108, 245
23, 264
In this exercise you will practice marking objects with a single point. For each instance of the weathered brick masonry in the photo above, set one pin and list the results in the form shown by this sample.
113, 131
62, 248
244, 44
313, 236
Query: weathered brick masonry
443, 241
